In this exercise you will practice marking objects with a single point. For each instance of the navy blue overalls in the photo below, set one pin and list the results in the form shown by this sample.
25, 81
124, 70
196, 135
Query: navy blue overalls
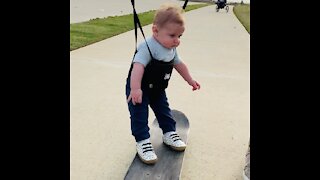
154, 82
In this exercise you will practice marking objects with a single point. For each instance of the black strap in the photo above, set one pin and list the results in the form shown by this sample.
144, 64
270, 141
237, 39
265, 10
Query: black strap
185, 4
137, 22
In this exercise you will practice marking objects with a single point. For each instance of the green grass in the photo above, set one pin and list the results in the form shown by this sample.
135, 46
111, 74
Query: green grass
94, 30
242, 12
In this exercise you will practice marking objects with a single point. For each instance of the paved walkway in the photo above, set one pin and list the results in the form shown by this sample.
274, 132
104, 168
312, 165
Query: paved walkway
216, 47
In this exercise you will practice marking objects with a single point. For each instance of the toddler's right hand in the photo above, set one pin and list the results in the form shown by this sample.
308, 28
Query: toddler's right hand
135, 96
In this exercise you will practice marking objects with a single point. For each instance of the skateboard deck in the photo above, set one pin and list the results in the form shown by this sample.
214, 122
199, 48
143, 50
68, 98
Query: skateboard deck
168, 166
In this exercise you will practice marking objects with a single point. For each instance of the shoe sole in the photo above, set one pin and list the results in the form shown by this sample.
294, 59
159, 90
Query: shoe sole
148, 162
175, 148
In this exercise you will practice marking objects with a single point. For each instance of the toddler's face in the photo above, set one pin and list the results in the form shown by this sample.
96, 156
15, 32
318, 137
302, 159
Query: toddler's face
169, 35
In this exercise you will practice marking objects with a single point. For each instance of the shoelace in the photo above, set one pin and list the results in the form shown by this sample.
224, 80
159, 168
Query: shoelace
175, 137
148, 147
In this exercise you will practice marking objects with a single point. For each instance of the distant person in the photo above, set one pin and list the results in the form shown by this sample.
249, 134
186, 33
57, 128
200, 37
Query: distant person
148, 78
221, 3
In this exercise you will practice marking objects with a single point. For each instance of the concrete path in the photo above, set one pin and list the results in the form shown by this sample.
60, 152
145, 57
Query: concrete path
216, 47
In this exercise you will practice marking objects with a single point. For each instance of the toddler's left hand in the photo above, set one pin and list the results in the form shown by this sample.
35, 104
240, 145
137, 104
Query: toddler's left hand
195, 85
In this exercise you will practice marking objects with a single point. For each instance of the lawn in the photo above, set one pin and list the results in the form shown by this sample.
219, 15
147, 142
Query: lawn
242, 12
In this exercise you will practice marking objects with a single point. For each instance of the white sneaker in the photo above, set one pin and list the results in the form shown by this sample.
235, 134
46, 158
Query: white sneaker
173, 140
146, 152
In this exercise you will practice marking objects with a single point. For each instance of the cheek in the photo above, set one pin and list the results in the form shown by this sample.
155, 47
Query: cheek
167, 40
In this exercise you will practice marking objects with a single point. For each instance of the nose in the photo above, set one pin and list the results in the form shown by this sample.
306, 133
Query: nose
176, 41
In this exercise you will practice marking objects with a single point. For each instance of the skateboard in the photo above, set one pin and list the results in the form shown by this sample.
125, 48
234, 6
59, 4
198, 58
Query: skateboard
168, 166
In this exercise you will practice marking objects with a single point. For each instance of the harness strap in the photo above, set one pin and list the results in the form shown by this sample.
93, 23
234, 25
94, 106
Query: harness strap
137, 22
185, 4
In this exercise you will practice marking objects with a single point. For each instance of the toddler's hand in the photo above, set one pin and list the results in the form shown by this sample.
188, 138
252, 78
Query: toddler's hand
136, 96
195, 85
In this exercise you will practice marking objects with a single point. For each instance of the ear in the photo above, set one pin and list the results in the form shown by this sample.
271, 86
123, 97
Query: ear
155, 29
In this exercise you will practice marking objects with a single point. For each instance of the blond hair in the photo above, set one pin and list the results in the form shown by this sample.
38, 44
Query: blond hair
168, 13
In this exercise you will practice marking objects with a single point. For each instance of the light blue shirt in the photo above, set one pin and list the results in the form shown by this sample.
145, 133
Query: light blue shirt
158, 52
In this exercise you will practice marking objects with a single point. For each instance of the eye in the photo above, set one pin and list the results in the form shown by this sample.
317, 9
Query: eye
180, 35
